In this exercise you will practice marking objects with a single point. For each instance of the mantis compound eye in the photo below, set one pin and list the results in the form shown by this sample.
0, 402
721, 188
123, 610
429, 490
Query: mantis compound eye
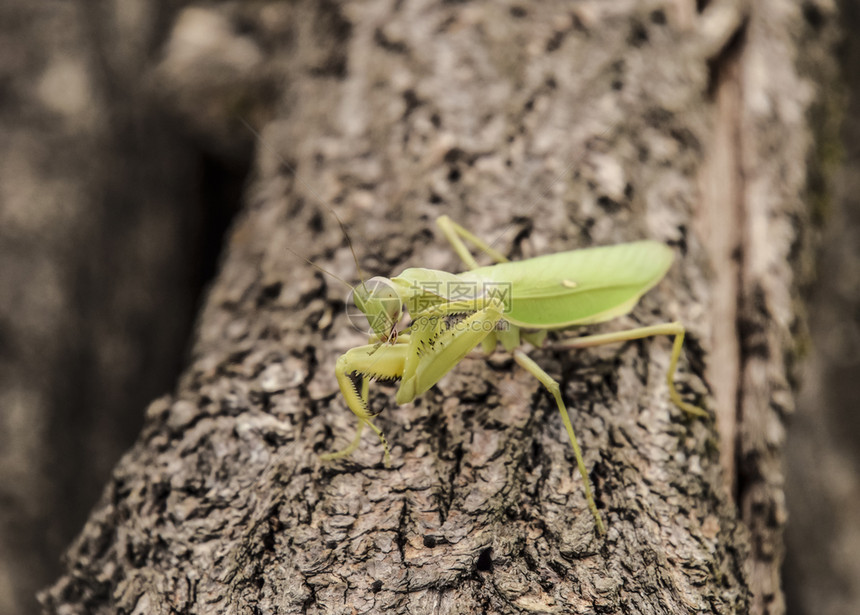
374, 307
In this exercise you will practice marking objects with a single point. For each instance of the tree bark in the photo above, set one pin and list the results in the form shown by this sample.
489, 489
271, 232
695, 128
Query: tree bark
540, 127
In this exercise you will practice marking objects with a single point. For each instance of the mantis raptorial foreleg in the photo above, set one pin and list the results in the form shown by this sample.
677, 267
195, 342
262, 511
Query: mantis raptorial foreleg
675, 329
419, 359
356, 441
524, 361
433, 356
350, 448
371, 361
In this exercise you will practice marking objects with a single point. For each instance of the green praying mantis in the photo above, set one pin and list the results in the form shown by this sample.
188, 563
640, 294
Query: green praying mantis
505, 303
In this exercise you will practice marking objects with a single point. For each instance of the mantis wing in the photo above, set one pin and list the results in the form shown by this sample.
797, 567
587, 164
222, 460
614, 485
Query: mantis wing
577, 287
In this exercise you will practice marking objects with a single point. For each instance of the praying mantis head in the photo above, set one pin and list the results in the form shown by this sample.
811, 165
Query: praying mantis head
379, 301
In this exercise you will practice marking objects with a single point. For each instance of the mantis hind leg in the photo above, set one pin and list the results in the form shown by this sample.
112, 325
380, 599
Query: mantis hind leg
675, 329
552, 386
453, 233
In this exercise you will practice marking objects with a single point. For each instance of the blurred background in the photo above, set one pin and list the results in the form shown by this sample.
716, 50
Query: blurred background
112, 214
111, 218
822, 568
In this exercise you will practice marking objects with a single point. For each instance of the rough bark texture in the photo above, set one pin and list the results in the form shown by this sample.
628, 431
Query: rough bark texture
541, 126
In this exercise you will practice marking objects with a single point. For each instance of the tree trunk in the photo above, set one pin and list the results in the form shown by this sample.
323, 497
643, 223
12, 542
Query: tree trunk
540, 127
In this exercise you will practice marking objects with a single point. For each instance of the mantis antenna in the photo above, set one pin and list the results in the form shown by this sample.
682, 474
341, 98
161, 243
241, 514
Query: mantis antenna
292, 170
321, 270
351, 248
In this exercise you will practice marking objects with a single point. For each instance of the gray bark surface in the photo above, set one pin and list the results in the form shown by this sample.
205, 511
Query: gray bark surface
544, 127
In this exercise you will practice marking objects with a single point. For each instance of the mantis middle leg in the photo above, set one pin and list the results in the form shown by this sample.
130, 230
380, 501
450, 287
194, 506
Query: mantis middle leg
524, 361
453, 232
